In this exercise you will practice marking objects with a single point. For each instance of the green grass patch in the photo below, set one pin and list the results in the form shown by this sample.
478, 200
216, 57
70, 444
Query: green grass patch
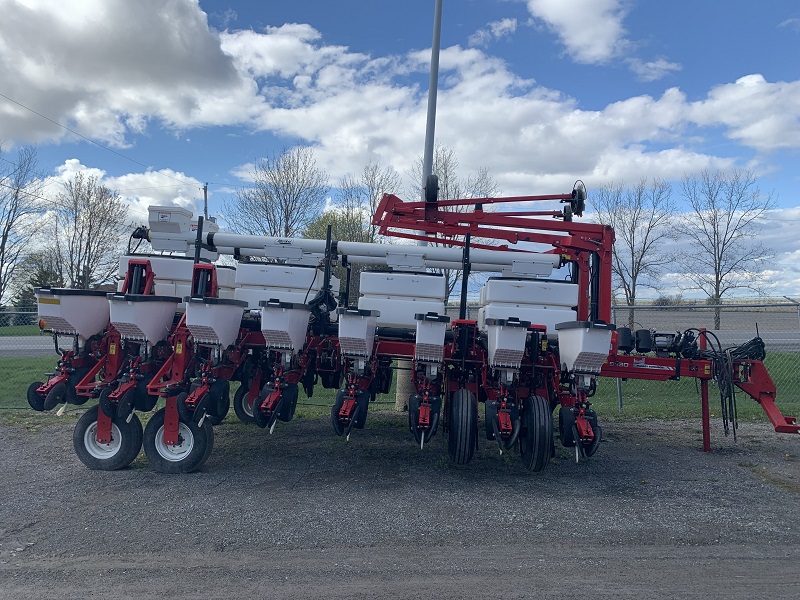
641, 399
681, 399
19, 330
17, 373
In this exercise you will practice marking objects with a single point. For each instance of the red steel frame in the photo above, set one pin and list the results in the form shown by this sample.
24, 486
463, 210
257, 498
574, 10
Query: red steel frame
575, 242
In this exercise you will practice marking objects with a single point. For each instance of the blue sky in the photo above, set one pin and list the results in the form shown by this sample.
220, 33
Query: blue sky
541, 92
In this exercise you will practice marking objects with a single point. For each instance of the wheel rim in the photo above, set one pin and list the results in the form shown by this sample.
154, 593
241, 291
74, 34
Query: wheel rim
247, 404
181, 450
102, 451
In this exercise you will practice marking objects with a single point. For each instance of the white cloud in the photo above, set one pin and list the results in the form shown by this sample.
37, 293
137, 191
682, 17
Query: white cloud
591, 30
106, 67
354, 107
793, 24
164, 187
757, 113
654, 69
492, 31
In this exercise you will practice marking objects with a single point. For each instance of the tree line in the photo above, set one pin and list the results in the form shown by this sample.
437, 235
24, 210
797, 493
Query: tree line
712, 245
70, 238
73, 238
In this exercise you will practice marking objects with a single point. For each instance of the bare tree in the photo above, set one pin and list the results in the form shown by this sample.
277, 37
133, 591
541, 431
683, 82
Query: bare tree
20, 207
88, 221
39, 268
288, 193
722, 226
358, 198
452, 187
642, 217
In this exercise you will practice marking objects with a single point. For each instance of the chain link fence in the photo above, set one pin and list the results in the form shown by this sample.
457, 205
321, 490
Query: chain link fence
778, 325
26, 354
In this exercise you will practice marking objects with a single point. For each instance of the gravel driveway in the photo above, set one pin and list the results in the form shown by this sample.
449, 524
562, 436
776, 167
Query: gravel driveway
304, 514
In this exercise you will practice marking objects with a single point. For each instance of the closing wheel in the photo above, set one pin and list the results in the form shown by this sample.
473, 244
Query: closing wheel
73, 380
536, 434
463, 427
143, 401
126, 404
55, 396
566, 421
591, 448
193, 448
105, 403
242, 405
289, 395
124, 447
220, 404
35, 401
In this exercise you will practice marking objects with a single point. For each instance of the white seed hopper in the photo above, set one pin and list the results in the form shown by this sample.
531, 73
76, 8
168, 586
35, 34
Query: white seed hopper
73, 312
214, 320
357, 331
506, 339
143, 318
284, 324
429, 346
584, 346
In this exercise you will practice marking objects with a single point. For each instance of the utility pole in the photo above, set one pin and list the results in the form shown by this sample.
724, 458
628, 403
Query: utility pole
205, 201
404, 385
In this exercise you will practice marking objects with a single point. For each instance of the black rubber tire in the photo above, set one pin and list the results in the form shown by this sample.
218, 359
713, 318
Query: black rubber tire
184, 412
413, 412
259, 418
536, 436
290, 394
126, 404
566, 420
591, 449
105, 403
220, 401
463, 427
194, 448
126, 442
74, 380
331, 380
35, 401
55, 396
143, 401
244, 413
338, 428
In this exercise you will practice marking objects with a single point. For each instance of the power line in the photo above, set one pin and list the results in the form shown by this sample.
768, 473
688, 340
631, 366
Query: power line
23, 192
98, 144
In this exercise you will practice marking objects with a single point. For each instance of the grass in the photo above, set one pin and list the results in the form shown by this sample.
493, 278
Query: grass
681, 399
641, 399
19, 330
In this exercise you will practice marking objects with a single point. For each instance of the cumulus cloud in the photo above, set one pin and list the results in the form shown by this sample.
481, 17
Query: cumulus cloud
757, 113
592, 31
104, 67
353, 107
492, 31
164, 187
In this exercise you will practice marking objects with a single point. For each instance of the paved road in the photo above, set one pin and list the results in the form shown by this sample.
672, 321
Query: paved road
34, 345
776, 341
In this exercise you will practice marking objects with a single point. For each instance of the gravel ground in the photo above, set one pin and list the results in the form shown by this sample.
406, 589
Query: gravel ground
304, 514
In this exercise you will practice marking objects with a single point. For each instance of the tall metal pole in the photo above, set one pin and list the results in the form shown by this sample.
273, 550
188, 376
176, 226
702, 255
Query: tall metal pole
404, 383
205, 201
433, 89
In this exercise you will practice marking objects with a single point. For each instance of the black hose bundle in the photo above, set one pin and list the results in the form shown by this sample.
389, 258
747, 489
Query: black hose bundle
722, 361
